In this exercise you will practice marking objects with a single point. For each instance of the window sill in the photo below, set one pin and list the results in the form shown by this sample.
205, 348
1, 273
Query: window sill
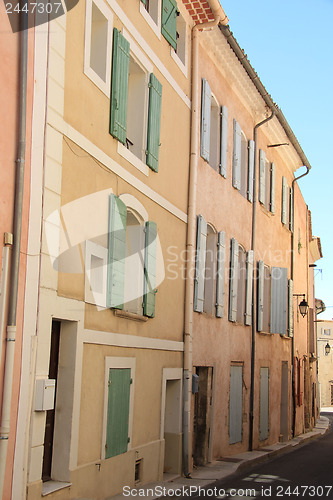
131, 158
128, 315
52, 486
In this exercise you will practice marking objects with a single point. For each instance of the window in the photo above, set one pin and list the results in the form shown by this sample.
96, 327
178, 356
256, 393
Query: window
98, 43
240, 284
181, 38
266, 182
326, 331
287, 205
134, 268
95, 275
242, 163
153, 7
210, 271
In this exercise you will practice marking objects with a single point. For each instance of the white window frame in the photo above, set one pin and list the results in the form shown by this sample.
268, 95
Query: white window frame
150, 21
104, 86
93, 296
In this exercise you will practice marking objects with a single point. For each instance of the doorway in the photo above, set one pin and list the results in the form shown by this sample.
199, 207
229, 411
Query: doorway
284, 431
202, 415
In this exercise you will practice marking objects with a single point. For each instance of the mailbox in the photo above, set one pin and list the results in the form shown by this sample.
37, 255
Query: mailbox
45, 393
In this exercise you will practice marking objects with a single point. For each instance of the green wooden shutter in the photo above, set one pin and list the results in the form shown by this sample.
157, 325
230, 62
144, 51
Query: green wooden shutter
154, 122
284, 201
116, 252
220, 274
249, 282
150, 269
206, 102
144, 2
119, 86
261, 279
251, 171
169, 21
237, 156
200, 264
272, 207
224, 141
118, 411
291, 308
233, 286
262, 171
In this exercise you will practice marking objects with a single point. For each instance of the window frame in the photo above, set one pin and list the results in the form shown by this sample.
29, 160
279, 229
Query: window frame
91, 296
182, 64
156, 27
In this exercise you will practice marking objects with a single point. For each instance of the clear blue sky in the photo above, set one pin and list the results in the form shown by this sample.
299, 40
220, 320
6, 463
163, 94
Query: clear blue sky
289, 44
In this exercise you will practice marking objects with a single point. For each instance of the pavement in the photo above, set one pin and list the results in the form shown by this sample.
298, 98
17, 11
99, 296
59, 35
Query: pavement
220, 469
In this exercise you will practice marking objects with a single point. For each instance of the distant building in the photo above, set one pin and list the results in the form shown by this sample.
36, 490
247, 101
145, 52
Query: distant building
325, 361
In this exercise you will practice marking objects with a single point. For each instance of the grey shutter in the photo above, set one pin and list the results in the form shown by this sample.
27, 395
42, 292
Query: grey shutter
251, 171
249, 282
291, 211
264, 404
116, 252
237, 156
220, 274
233, 280
261, 278
291, 308
284, 201
150, 269
236, 404
200, 264
206, 101
154, 122
224, 141
262, 162
272, 207
279, 300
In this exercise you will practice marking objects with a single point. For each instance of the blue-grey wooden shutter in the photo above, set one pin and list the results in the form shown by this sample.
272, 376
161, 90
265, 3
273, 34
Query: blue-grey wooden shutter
119, 86
284, 201
200, 264
169, 21
279, 300
220, 274
118, 411
116, 252
262, 164
236, 404
291, 211
291, 308
251, 171
249, 282
224, 141
237, 156
206, 101
150, 269
154, 122
233, 285
261, 280
272, 207
264, 404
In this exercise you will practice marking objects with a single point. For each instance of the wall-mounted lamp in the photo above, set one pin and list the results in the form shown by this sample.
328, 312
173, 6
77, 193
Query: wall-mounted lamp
327, 349
303, 305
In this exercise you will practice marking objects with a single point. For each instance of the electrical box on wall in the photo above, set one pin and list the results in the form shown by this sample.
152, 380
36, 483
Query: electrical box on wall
45, 393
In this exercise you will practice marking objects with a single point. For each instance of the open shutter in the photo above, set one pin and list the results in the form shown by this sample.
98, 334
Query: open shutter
233, 280
272, 207
237, 156
279, 300
150, 269
169, 21
262, 162
284, 201
119, 384
154, 122
291, 211
220, 274
261, 278
116, 252
206, 100
249, 282
144, 2
119, 86
224, 141
200, 264
291, 308
251, 171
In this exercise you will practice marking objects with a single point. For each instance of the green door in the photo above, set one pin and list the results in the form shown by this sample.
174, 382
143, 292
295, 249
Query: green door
118, 411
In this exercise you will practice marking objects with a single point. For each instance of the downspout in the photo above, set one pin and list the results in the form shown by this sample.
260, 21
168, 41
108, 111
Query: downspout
292, 278
15, 262
219, 17
254, 289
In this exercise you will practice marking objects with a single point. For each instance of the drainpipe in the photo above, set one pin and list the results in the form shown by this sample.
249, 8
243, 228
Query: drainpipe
219, 17
292, 277
254, 290
14, 277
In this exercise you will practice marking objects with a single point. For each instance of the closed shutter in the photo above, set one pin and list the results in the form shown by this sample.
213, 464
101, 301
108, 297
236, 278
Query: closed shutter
291, 211
220, 274
119, 86
224, 141
284, 201
200, 264
251, 171
291, 308
237, 156
118, 411
236, 404
154, 122
262, 163
233, 286
116, 252
279, 300
249, 282
169, 21
150, 269
264, 404
206, 100
272, 207
261, 280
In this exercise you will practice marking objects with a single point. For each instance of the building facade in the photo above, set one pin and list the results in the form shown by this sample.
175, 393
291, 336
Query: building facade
325, 362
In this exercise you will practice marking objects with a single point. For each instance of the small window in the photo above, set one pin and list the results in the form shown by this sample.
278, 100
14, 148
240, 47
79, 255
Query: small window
210, 271
153, 9
214, 148
95, 274
181, 38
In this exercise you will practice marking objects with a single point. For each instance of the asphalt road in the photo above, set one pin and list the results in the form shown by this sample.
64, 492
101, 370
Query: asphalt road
306, 472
